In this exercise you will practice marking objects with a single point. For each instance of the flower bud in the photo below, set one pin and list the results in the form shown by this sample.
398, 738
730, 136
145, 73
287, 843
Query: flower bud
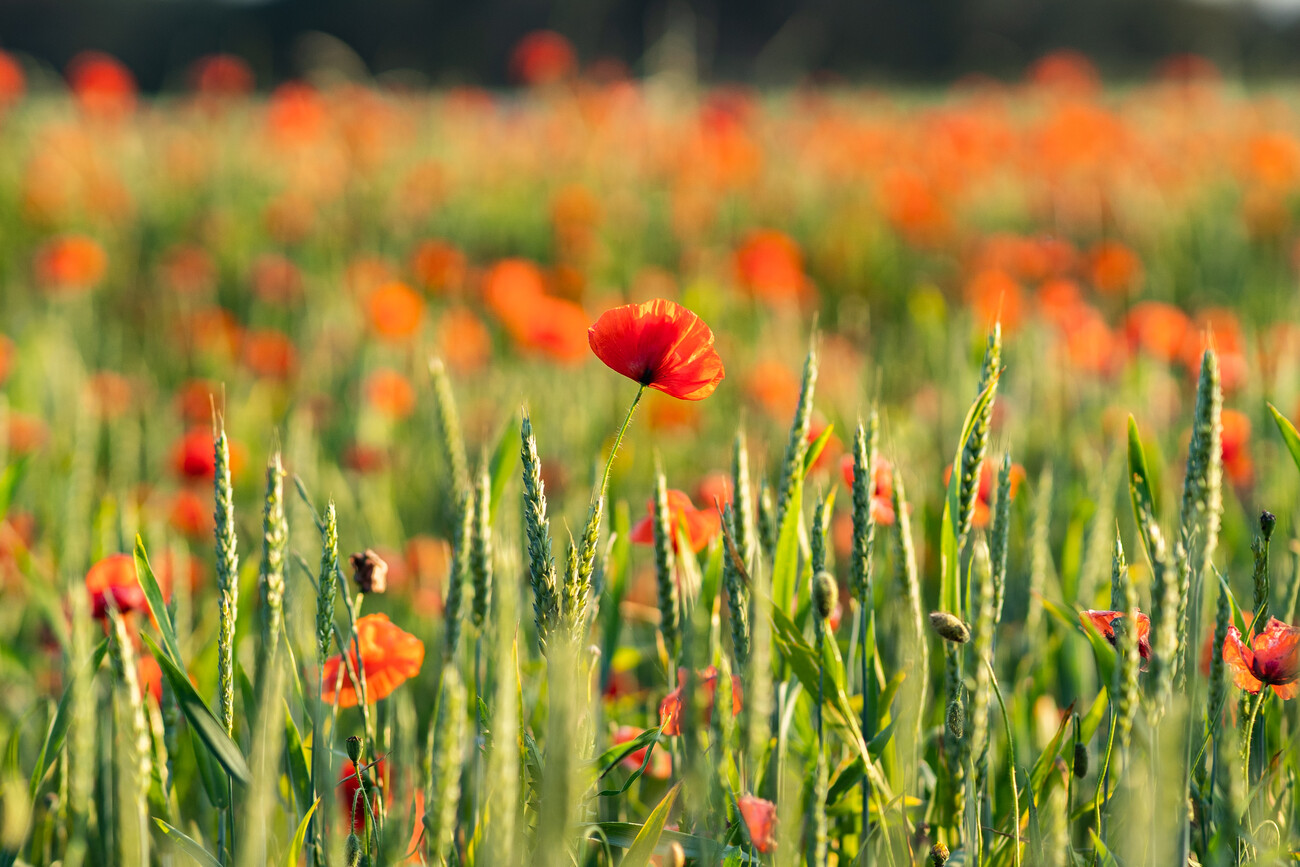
354, 750
825, 594
949, 627
1080, 759
1267, 521
939, 855
956, 718
369, 571
352, 851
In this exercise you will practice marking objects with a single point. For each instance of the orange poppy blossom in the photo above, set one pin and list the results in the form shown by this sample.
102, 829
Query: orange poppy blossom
113, 581
396, 311
388, 657
760, 819
1237, 463
661, 763
1104, 623
191, 514
1272, 658
701, 525
13, 81
543, 57
194, 455
670, 709
103, 86
70, 264
660, 345
389, 393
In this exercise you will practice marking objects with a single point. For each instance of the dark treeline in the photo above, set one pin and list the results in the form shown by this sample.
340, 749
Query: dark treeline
763, 41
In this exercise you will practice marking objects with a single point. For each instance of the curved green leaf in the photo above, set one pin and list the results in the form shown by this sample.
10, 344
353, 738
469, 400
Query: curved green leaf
294, 855
188, 845
643, 847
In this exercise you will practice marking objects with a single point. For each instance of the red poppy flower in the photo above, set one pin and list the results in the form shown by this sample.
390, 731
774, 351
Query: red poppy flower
191, 514
701, 524
661, 345
1274, 659
114, 578
194, 457
661, 763
670, 709
760, 819
376, 777
1104, 622
882, 494
984, 495
388, 656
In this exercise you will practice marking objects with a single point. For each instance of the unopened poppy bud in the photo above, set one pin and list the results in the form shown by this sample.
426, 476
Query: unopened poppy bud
352, 851
956, 718
949, 627
354, 750
1080, 760
370, 572
826, 594
676, 855
1267, 521
939, 855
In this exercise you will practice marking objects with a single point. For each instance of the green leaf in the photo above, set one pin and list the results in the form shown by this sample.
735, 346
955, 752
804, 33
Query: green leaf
815, 450
643, 847
188, 845
294, 855
504, 459
9, 479
785, 570
949, 555
59, 728
157, 606
200, 718
1289, 434
215, 784
296, 758
609, 759
1139, 484
700, 849
1104, 858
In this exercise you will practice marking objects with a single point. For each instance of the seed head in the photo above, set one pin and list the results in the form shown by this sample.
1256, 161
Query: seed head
1267, 521
956, 718
949, 627
1080, 760
369, 571
826, 595
939, 855
354, 750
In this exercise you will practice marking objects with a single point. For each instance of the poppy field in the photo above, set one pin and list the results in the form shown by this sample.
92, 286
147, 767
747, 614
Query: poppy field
601, 472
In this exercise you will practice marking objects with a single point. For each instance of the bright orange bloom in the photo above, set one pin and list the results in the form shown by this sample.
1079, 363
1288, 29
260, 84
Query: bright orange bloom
7, 352
396, 311
296, 114
769, 266
269, 353
1237, 462
388, 656
113, 578
774, 387
104, 88
150, 676
661, 763
701, 525
882, 494
1114, 268
760, 819
194, 400
463, 340
389, 393
1066, 71
543, 57
70, 264
510, 284
1104, 622
670, 709
348, 786
1158, 329
714, 486
553, 327
661, 345
1274, 659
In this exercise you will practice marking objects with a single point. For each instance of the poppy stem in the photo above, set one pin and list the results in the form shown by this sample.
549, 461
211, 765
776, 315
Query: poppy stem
1250, 735
618, 440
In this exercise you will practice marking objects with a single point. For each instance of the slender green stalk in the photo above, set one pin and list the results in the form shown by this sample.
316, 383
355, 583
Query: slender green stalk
541, 559
796, 446
458, 578
665, 571
453, 442
227, 580
275, 545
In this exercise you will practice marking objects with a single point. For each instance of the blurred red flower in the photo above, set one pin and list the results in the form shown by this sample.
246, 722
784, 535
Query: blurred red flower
543, 57
388, 656
112, 580
882, 494
670, 709
1104, 623
701, 525
661, 763
760, 819
104, 88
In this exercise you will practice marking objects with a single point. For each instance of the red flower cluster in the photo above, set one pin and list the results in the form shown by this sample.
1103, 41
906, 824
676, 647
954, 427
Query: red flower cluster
670, 709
